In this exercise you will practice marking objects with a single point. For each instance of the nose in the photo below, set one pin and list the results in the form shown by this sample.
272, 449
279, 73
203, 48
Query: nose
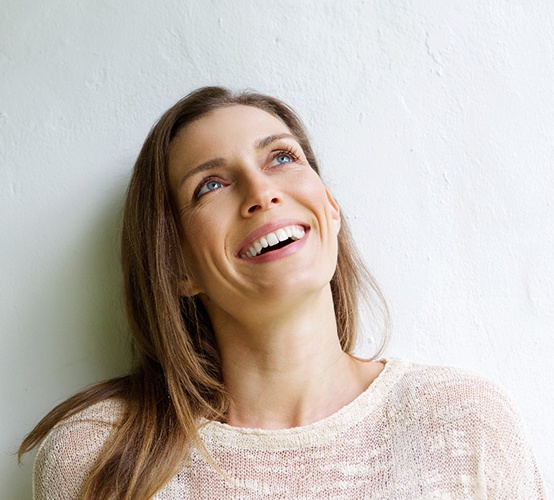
260, 193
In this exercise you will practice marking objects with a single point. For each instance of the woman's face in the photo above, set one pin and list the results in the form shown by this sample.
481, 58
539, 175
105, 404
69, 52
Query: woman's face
257, 222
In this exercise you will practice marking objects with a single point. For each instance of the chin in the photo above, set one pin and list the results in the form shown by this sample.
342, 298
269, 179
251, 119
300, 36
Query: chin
295, 289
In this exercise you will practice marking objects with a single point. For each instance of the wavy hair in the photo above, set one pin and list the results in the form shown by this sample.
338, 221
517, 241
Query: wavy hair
177, 376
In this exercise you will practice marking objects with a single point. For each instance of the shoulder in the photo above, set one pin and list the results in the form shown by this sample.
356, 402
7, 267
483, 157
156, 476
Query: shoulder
421, 374
453, 391
69, 452
471, 416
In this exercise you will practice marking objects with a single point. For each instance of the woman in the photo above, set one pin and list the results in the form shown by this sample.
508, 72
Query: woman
241, 287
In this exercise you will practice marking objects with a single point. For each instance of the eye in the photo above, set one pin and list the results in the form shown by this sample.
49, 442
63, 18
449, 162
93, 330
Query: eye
283, 157
209, 185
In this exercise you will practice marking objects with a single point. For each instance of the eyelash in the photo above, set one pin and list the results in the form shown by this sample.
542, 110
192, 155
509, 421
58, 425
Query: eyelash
287, 151
205, 181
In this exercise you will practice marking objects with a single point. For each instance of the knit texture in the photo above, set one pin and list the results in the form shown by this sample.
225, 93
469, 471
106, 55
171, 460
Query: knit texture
418, 432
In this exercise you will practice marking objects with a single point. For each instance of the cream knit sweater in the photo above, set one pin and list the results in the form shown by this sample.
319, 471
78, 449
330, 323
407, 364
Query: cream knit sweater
418, 432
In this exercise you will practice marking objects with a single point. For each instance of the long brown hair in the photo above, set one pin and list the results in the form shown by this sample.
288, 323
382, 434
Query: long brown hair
177, 377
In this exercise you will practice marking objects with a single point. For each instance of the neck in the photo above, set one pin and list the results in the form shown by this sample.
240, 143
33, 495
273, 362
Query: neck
287, 369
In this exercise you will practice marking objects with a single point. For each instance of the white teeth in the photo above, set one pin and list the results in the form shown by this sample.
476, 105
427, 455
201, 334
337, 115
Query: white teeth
281, 234
297, 233
272, 239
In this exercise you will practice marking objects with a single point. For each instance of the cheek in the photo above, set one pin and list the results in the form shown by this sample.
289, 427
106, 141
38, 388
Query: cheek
195, 243
313, 189
202, 242
309, 185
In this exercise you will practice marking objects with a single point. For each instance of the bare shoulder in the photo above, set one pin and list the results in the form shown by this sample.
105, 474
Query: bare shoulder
67, 455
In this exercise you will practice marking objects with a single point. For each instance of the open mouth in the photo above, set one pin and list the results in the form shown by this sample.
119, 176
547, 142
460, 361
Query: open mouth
273, 241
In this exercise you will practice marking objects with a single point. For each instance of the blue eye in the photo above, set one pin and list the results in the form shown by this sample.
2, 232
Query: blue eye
281, 158
209, 186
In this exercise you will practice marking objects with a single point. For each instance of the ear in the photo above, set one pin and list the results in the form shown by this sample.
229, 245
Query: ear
334, 209
188, 287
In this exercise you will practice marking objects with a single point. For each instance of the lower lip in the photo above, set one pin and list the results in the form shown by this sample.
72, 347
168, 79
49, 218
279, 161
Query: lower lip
280, 253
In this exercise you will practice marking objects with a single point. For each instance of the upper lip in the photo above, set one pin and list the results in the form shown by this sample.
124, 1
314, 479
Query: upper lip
264, 229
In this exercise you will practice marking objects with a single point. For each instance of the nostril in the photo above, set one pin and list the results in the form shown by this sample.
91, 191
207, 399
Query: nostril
263, 204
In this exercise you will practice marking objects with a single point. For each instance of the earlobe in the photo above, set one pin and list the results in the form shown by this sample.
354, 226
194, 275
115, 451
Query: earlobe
188, 288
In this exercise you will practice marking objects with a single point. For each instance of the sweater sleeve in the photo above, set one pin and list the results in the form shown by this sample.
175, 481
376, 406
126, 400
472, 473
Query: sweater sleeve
511, 470
475, 440
68, 454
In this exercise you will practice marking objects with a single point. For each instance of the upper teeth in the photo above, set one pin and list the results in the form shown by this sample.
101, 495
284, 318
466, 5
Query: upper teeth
271, 239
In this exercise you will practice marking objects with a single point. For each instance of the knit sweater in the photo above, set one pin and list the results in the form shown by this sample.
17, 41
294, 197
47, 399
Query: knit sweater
418, 432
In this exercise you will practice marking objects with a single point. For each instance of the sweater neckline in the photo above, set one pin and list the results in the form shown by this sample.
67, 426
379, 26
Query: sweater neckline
318, 433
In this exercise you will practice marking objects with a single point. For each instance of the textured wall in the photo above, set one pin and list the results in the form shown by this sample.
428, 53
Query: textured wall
434, 123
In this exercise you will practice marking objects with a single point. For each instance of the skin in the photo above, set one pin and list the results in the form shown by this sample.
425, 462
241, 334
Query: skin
231, 172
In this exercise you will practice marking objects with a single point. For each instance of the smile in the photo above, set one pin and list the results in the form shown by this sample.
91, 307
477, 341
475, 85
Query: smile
274, 240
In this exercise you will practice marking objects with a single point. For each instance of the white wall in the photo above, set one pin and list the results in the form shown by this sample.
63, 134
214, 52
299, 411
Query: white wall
434, 123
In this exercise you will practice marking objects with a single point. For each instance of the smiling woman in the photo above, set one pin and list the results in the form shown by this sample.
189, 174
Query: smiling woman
253, 199
242, 290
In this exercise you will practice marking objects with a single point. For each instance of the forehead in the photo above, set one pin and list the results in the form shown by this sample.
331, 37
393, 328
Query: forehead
224, 129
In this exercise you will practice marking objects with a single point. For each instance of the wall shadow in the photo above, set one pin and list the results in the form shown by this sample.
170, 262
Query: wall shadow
92, 274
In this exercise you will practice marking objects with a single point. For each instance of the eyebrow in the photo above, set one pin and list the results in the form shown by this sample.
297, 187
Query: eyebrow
219, 162
266, 141
208, 165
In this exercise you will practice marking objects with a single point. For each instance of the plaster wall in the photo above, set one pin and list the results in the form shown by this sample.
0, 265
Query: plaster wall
434, 125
